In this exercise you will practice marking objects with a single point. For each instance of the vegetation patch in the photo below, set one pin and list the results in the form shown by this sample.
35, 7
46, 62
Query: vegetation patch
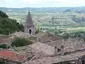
21, 42
79, 34
37, 31
4, 46
2, 62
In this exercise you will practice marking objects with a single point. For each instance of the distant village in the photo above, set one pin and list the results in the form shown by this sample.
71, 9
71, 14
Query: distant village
45, 49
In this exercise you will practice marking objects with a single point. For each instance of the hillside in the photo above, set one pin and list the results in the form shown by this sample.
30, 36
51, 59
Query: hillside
51, 18
46, 9
8, 25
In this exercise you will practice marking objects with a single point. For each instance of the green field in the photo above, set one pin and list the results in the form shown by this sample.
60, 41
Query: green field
52, 20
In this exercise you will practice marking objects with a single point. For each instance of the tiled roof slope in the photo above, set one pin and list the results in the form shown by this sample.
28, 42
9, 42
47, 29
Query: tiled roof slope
11, 56
29, 22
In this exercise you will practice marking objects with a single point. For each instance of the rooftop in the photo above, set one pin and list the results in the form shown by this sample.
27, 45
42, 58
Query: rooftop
29, 22
56, 59
11, 56
42, 48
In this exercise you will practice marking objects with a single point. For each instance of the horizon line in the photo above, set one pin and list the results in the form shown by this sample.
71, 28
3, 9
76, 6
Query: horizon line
46, 7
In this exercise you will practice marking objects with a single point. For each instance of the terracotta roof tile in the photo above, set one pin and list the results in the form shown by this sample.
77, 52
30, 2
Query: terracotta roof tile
12, 56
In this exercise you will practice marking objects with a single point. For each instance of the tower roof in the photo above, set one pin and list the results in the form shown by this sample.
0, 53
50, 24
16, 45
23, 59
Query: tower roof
29, 22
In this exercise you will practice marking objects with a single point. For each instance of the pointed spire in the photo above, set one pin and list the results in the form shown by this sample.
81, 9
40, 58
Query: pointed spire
29, 26
29, 22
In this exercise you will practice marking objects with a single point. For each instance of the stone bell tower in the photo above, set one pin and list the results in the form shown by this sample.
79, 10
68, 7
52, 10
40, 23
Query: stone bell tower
29, 26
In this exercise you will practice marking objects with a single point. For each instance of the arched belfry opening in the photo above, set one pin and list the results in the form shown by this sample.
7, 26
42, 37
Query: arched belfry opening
29, 26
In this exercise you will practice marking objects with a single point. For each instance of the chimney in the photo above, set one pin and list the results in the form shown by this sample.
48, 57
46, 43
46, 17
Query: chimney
55, 50
59, 50
62, 49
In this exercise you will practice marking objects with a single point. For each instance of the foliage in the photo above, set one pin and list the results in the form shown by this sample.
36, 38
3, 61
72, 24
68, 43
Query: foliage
4, 46
58, 31
1, 62
29, 58
8, 25
78, 19
21, 42
66, 35
79, 34
37, 31
2, 14
68, 10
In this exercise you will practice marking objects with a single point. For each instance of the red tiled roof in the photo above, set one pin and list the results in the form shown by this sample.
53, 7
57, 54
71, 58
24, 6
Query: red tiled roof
12, 56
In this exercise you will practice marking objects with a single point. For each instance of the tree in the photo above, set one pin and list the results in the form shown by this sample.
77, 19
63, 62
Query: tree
2, 14
8, 25
4, 46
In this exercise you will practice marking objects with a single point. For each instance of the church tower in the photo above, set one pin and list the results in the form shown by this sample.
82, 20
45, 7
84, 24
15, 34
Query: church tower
29, 26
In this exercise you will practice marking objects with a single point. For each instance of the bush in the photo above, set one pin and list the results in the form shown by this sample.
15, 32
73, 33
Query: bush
37, 31
21, 42
2, 62
4, 46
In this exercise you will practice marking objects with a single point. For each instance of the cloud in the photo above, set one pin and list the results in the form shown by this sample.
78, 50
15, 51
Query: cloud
32, 1
55, 2
2, 1
41, 3
70, 1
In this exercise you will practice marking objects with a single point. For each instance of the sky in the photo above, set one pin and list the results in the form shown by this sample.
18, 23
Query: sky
41, 3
